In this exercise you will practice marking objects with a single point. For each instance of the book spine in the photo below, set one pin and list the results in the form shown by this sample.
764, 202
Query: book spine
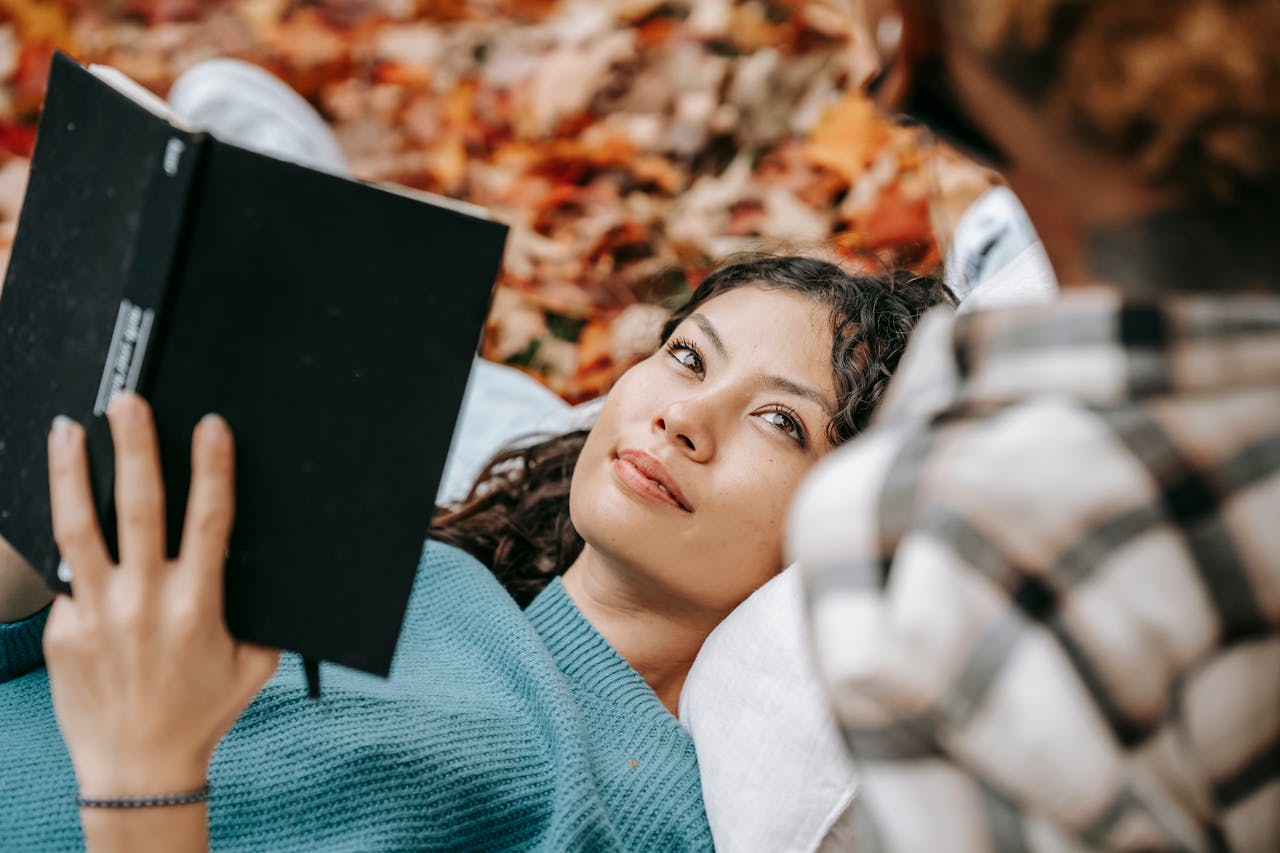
146, 282
148, 279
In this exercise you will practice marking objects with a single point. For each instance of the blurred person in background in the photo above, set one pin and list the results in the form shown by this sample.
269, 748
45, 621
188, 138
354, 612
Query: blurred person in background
1045, 587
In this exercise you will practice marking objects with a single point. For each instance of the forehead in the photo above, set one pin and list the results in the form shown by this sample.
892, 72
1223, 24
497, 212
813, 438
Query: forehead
776, 331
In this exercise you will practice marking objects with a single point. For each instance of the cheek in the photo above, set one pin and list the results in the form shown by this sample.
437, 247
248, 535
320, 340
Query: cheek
591, 493
720, 571
751, 515
583, 486
766, 484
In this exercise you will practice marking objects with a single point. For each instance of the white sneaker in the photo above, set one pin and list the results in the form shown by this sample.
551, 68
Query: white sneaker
247, 106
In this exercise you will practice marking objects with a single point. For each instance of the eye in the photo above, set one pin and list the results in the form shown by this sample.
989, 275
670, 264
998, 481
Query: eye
688, 355
787, 421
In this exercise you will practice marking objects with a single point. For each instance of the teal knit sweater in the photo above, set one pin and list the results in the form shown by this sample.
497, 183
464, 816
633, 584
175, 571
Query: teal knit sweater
498, 729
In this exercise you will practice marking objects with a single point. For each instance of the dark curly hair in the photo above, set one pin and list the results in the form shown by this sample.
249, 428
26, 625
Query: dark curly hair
516, 518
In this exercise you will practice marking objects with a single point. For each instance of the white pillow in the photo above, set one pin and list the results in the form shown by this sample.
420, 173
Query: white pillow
775, 773
503, 406
500, 405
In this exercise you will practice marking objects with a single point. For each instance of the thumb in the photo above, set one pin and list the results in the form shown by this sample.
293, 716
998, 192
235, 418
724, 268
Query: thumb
254, 667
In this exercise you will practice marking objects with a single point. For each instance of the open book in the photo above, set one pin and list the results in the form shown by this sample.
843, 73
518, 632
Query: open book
331, 322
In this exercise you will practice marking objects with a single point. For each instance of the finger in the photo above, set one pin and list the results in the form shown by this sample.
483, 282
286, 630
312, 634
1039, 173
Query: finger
75, 520
210, 506
139, 487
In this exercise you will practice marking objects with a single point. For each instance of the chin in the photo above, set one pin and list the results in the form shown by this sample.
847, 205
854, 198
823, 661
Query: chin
613, 525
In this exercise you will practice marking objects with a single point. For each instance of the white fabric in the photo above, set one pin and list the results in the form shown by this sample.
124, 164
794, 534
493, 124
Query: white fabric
1025, 279
775, 773
996, 258
246, 105
501, 406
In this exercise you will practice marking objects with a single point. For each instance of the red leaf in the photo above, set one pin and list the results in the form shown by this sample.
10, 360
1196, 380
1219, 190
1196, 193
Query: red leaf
17, 140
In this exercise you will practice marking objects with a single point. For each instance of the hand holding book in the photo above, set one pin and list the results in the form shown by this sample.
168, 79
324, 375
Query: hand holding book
145, 677
331, 322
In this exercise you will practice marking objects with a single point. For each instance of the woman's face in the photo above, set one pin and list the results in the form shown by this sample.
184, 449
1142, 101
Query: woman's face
685, 479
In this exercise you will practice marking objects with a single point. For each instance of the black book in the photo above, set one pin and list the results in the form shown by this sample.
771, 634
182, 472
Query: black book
331, 322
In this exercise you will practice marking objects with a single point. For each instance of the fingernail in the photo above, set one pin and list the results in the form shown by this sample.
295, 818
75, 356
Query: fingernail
125, 408
213, 429
61, 429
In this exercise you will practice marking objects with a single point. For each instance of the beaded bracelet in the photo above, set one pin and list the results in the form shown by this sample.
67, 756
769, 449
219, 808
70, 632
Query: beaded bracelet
185, 798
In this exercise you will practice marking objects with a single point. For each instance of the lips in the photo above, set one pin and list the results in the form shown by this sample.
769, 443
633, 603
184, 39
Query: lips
649, 477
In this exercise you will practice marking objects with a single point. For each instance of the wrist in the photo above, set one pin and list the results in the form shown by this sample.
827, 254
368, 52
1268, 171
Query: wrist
173, 830
173, 800
134, 778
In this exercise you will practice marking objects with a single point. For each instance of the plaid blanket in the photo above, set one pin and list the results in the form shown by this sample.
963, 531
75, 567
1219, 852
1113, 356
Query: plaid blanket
1045, 588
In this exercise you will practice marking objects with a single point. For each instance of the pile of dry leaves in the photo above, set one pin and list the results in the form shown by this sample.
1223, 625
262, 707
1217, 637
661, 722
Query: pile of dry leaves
629, 143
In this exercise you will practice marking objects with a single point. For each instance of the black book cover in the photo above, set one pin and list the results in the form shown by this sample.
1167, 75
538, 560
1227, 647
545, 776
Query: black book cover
331, 322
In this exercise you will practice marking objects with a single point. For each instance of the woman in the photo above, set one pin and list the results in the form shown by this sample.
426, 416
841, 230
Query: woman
498, 728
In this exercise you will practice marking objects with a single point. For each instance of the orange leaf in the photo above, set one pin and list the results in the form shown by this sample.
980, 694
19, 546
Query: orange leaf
594, 345
894, 220
164, 11
311, 53
848, 137
589, 384
447, 163
656, 31
39, 21
659, 171
408, 76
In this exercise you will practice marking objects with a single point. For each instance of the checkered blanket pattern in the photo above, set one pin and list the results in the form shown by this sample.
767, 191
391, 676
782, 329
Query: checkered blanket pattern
1045, 588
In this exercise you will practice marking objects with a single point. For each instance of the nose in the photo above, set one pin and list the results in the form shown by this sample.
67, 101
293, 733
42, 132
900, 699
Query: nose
687, 425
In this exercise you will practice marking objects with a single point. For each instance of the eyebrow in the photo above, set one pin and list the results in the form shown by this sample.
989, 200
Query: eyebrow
708, 328
782, 383
777, 383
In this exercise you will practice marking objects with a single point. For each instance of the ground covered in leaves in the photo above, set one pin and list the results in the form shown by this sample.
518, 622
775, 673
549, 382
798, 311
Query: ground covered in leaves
629, 144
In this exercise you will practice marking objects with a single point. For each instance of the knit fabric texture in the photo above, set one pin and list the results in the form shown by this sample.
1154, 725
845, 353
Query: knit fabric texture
498, 729
20, 648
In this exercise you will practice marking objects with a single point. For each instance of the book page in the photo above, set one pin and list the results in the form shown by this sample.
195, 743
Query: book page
154, 104
464, 207
140, 95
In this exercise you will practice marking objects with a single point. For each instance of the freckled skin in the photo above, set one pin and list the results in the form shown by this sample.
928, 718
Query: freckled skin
716, 434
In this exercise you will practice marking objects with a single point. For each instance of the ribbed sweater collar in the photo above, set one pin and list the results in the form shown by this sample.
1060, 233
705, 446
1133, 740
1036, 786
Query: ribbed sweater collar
21, 646
592, 666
